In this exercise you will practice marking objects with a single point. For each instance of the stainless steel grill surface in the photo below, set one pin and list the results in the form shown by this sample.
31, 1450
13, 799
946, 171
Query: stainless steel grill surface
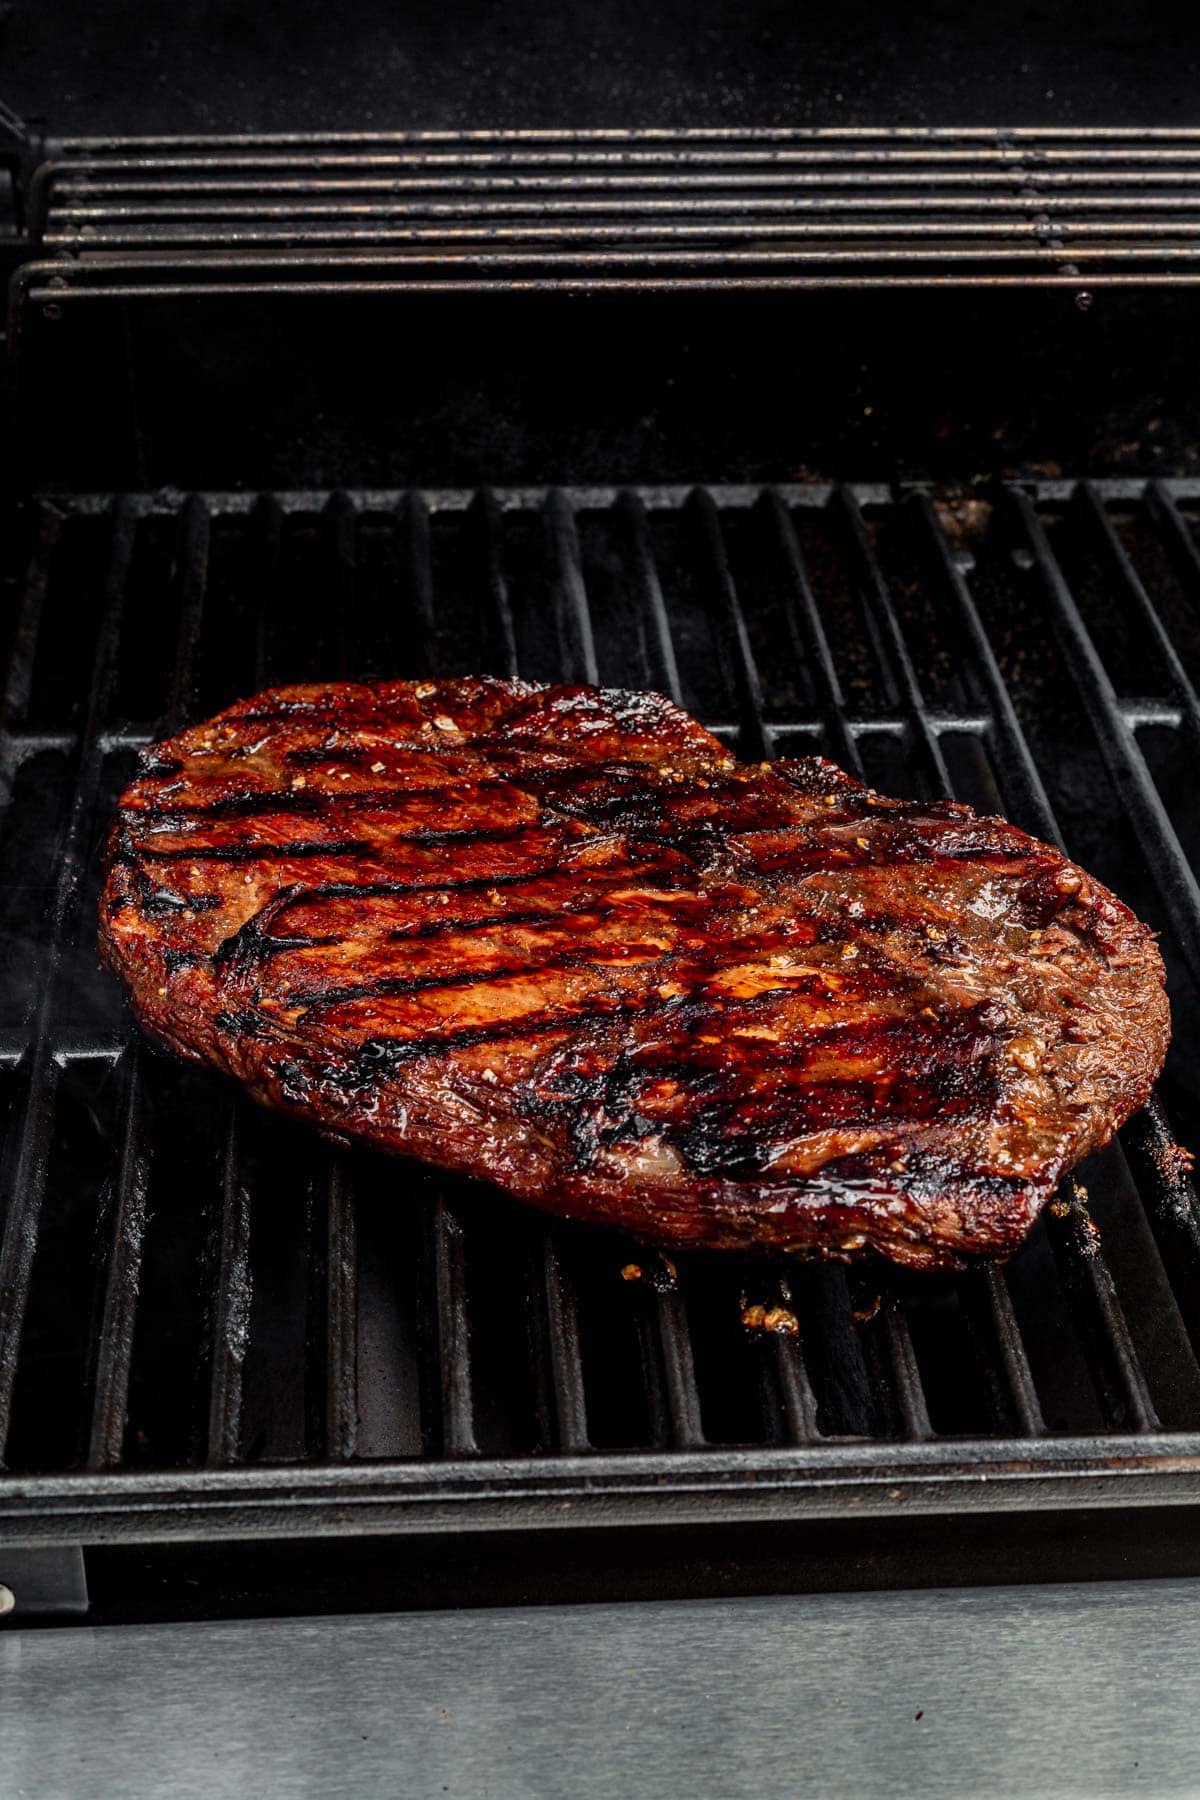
211, 1323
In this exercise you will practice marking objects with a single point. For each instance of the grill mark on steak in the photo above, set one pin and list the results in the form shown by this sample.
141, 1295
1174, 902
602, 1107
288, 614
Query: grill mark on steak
603, 965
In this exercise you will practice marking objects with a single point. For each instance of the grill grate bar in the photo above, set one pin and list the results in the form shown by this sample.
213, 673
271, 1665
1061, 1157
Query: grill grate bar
27, 1148
679, 1372
125, 216
341, 1323
906, 1374
662, 669
572, 615
453, 1332
566, 1360
114, 1340
1021, 1390
231, 1309
771, 1313
488, 521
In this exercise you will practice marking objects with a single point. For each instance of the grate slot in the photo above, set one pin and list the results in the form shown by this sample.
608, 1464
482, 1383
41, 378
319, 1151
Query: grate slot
266, 545
18, 681
195, 539
809, 636
1179, 542
733, 637
896, 663
1010, 749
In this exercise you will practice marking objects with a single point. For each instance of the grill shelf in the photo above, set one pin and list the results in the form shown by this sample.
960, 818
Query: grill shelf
211, 1324
605, 211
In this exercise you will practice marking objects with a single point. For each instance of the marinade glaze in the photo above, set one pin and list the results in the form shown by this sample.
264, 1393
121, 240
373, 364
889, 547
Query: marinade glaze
558, 938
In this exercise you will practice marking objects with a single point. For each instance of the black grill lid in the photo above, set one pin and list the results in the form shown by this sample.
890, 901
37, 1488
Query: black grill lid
382, 67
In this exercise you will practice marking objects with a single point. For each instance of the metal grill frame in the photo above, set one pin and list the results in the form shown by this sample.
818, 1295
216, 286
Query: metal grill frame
603, 211
686, 1481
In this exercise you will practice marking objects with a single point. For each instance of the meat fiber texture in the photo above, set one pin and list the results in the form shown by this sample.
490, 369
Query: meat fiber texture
558, 938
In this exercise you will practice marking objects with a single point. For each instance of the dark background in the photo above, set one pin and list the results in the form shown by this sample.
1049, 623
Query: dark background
298, 64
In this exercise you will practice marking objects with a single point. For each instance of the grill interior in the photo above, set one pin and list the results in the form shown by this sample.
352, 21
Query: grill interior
189, 1285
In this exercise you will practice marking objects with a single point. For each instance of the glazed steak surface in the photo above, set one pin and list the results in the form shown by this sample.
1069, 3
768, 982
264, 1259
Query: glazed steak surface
558, 938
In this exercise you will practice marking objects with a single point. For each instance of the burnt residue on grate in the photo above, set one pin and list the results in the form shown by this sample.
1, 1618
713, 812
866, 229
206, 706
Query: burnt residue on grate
189, 1285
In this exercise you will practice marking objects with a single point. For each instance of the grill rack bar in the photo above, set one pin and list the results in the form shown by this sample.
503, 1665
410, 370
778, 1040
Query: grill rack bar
598, 211
1170, 1201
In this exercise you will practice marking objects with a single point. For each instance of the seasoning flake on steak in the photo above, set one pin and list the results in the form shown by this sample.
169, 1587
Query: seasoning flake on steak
558, 938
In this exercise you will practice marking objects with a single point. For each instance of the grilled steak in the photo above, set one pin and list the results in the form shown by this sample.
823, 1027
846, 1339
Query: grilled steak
559, 938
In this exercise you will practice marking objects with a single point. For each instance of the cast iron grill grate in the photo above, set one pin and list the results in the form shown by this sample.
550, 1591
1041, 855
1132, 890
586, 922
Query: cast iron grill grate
210, 1319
